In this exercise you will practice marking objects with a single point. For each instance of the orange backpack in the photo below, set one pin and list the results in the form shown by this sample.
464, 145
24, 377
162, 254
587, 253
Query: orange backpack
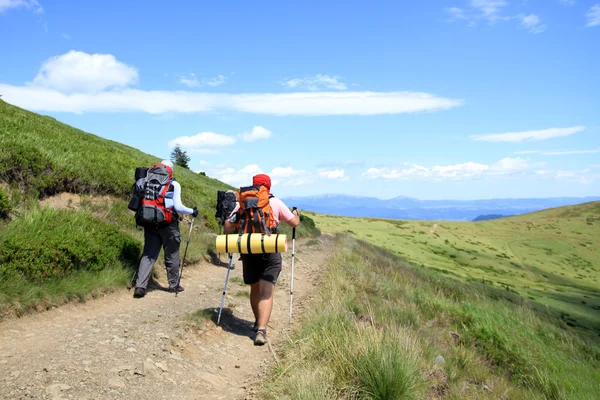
256, 214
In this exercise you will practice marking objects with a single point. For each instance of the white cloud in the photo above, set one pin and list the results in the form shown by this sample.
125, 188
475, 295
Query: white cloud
317, 82
489, 9
79, 82
280, 176
593, 16
558, 152
258, 132
468, 170
32, 5
456, 13
335, 174
492, 12
79, 72
158, 102
533, 23
203, 142
528, 136
216, 81
191, 80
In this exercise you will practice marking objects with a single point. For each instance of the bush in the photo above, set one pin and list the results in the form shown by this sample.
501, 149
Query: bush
306, 229
5, 206
25, 166
54, 244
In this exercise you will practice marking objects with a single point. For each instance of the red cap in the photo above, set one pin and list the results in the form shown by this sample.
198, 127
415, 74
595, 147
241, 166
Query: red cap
262, 179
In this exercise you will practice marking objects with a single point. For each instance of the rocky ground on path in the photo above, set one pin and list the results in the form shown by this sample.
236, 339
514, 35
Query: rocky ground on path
118, 347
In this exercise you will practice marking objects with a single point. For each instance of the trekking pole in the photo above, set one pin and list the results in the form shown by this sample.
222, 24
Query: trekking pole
184, 254
293, 256
225, 287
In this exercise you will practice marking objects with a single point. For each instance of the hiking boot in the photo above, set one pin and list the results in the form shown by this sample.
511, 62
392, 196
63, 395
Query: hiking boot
261, 337
176, 289
139, 292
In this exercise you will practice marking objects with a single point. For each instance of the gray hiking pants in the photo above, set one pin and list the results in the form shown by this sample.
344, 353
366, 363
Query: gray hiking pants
168, 238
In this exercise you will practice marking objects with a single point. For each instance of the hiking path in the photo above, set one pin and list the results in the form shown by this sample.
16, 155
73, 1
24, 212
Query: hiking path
118, 347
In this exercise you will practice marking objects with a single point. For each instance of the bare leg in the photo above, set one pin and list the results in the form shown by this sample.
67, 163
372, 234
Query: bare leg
254, 298
265, 303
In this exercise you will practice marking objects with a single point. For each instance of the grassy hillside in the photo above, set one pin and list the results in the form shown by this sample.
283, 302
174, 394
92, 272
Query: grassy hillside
383, 328
550, 257
48, 256
65, 230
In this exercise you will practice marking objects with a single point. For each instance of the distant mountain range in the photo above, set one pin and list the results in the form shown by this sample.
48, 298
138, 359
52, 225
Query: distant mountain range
409, 208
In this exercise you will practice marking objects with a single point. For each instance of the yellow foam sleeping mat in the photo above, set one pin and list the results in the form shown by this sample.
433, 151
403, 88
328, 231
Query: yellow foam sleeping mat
251, 243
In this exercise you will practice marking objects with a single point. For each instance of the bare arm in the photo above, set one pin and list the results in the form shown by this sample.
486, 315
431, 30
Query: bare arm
228, 227
294, 222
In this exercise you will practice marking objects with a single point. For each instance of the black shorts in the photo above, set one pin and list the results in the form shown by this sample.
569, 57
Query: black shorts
261, 266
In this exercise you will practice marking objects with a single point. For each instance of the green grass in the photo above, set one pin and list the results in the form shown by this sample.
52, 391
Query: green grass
42, 156
48, 257
380, 322
551, 257
33, 257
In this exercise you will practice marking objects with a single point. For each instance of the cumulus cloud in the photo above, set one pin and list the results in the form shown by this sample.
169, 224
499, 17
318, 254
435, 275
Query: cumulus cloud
191, 80
492, 12
532, 23
489, 9
258, 132
456, 13
203, 142
79, 82
31, 5
280, 176
463, 171
334, 174
79, 72
593, 16
528, 136
317, 82
216, 81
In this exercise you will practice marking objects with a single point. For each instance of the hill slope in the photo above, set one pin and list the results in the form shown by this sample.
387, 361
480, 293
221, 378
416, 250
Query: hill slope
551, 257
82, 239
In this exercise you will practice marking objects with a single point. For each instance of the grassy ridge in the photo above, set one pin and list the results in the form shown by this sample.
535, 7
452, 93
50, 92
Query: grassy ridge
380, 323
42, 156
48, 256
551, 257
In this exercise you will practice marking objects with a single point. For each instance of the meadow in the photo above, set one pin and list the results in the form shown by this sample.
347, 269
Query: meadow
385, 328
551, 258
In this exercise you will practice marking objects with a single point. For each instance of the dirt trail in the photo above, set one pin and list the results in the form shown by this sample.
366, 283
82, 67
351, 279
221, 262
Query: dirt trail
117, 347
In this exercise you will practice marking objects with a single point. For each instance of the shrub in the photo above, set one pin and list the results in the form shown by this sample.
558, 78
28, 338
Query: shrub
5, 206
54, 244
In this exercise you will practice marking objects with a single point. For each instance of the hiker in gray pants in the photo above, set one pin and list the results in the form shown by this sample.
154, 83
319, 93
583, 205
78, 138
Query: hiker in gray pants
168, 237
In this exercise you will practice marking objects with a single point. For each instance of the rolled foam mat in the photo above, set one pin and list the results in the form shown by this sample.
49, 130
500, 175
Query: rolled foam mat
251, 243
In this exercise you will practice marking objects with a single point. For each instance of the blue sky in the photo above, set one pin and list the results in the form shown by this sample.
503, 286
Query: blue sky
460, 99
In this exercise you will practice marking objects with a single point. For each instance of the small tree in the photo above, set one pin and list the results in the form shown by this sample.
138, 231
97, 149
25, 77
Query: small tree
180, 157
202, 173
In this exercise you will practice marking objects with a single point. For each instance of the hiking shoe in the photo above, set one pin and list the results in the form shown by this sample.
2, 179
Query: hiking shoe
139, 292
176, 289
261, 337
